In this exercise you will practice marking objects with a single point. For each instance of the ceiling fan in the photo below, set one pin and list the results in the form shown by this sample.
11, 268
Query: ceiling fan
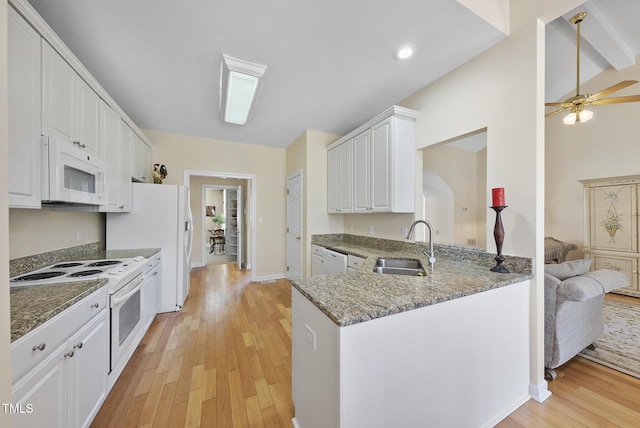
576, 105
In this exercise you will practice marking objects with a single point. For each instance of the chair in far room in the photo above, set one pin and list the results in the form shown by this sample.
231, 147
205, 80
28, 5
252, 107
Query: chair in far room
218, 241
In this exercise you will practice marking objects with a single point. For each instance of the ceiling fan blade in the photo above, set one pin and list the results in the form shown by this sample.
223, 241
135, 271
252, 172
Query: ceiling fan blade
611, 89
555, 112
616, 100
564, 105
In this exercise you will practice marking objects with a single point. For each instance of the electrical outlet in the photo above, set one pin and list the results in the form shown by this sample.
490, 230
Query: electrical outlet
371, 229
403, 232
78, 235
311, 336
351, 228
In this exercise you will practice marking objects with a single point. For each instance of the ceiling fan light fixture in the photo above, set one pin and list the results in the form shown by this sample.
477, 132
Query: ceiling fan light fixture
570, 119
239, 81
585, 116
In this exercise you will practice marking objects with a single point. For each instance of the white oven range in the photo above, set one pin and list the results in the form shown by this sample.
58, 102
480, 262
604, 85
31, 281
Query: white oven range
125, 303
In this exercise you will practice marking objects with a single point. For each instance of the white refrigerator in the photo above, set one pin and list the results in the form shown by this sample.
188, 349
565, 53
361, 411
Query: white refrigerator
160, 218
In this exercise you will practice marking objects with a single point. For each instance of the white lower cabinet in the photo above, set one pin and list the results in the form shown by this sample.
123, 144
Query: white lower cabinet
316, 260
67, 387
40, 394
87, 374
151, 291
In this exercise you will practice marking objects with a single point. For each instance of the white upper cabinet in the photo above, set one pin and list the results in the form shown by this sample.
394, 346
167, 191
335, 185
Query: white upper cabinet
381, 174
24, 112
114, 147
340, 178
362, 172
70, 108
140, 155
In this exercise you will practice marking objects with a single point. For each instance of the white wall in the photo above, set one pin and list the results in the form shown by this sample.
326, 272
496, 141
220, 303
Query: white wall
5, 356
606, 146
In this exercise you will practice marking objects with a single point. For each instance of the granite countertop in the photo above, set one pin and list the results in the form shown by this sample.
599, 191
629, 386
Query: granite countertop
33, 305
354, 297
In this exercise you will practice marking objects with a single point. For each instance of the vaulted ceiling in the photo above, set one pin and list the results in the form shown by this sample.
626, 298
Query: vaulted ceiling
330, 63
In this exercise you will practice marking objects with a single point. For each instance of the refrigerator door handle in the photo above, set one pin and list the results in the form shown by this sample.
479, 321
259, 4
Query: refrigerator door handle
189, 230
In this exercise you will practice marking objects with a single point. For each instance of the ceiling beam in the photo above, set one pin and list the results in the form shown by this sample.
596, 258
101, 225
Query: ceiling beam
603, 36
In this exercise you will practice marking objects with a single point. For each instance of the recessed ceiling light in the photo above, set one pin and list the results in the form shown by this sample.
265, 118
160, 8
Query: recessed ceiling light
403, 53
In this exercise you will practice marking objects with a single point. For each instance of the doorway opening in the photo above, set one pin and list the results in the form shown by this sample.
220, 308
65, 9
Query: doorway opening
198, 182
455, 189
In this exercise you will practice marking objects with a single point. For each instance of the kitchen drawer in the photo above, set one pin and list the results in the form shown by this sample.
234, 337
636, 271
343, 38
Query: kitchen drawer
151, 263
354, 262
25, 352
316, 249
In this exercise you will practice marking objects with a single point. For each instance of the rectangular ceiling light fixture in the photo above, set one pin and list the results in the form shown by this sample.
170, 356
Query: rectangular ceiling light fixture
238, 85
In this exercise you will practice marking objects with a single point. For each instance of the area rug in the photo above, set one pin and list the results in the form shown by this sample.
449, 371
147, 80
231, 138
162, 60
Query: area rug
619, 346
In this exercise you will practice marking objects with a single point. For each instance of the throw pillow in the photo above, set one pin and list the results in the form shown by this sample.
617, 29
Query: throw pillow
566, 270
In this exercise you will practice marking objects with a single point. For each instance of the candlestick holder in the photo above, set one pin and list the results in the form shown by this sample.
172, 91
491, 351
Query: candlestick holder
498, 234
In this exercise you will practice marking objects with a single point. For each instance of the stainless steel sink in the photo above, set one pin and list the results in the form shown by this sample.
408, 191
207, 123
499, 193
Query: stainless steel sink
411, 267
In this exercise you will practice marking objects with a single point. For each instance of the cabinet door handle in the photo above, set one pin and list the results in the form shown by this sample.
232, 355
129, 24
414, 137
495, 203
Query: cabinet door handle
70, 354
95, 305
79, 345
39, 347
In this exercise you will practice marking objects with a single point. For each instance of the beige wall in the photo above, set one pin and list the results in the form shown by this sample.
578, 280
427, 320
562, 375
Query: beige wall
309, 154
267, 164
39, 231
606, 146
5, 356
460, 170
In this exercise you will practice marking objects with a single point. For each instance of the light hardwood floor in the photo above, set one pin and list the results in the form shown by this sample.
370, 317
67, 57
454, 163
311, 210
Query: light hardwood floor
585, 394
225, 361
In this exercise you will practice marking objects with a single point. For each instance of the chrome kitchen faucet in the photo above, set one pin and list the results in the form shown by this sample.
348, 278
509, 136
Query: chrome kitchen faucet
432, 259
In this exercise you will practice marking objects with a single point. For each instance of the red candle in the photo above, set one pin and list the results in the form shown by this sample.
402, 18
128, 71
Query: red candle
498, 197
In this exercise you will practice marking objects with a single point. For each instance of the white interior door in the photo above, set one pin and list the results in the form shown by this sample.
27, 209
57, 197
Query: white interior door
241, 261
294, 225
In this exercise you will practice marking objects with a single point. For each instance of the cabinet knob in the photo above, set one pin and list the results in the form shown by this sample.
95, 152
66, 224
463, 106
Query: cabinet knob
39, 347
70, 354
121, 207
95, 305
79, 345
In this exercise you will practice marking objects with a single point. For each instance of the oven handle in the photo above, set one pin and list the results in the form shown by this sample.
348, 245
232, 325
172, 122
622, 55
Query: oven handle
136, 283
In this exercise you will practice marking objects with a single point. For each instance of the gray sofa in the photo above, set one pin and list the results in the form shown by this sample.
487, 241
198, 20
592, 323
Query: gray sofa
573, 309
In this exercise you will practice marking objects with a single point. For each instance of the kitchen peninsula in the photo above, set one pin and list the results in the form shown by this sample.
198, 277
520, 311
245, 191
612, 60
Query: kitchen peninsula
446, 349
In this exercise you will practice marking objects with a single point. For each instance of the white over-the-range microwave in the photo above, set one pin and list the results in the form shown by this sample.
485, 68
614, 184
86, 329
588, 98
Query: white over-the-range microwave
71, 174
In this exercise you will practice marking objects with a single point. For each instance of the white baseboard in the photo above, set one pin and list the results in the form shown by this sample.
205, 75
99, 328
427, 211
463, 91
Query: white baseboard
539, 392
197, 265
265, 278
295, 423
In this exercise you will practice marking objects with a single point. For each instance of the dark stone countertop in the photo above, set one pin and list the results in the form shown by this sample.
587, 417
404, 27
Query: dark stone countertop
33, 305
354, 297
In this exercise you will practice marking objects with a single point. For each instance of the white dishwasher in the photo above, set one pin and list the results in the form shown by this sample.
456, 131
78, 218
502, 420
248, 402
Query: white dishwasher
333, 262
